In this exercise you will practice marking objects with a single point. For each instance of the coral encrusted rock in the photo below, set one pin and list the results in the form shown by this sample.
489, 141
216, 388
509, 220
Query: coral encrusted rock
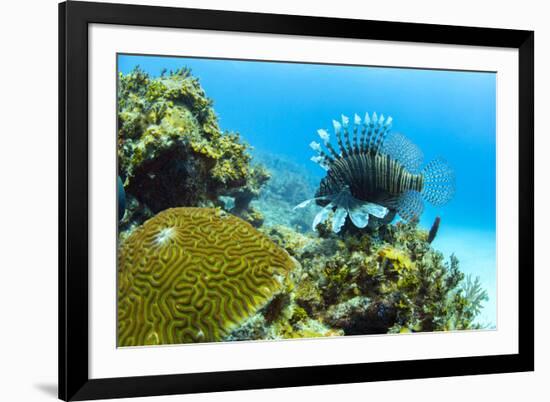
194, 275
171, 150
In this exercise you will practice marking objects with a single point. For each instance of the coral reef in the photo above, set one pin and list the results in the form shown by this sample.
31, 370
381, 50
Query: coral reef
386, 281
242, 196
171, 150
197, 273
290, 183
194, 275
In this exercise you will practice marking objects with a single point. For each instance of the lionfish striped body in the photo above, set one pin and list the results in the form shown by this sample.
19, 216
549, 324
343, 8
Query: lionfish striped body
370, 176
375, 173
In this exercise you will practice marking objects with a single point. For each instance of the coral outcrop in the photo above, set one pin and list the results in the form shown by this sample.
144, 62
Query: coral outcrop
290, 184
171, 150
194, 275
242, 196
387, 281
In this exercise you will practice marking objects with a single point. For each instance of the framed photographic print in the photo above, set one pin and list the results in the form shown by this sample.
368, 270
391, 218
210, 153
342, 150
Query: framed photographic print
256, 200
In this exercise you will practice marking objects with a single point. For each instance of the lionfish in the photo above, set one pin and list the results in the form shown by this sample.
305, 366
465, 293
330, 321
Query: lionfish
375, 173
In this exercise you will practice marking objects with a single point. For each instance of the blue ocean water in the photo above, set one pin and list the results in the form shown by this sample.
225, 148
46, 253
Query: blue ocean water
278, 107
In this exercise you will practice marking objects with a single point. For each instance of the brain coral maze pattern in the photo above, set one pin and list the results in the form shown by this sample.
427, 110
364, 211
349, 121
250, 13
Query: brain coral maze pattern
192, 275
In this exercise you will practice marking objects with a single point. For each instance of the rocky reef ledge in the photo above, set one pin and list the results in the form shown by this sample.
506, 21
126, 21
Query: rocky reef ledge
389, 281
172, 152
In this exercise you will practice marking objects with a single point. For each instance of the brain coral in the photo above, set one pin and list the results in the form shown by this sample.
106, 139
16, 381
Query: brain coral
192, 275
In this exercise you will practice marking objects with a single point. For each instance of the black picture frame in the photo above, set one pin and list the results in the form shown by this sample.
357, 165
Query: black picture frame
74, 380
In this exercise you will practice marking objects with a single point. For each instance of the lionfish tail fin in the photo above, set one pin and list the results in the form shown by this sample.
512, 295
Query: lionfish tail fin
439, 182
410, 205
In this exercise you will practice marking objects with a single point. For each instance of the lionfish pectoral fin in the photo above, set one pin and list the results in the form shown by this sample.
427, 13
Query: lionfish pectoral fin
376, 210
322, 216
339, 219
305, 203
410, 205
359, 214
359, 217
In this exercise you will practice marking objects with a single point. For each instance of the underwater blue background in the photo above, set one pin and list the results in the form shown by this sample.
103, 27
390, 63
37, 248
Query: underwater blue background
278, 107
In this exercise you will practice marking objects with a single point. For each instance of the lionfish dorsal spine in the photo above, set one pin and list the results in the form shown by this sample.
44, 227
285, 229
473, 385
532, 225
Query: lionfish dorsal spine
338, 131
369, 139
325, 157
323, 160
375, 138
345, 124
356, 124
384, 130
355, 145
349, 148
373, 133
379, 133
325, 137
363, 138
332, 151
364, 133
366, 122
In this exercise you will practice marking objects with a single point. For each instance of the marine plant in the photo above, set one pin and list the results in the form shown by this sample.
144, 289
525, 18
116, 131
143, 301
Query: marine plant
171, 150
375, 175
194, 275
474, 296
